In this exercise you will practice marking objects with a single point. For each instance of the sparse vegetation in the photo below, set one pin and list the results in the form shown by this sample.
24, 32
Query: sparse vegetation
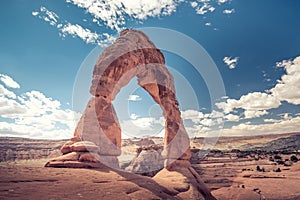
277, 157
260, 169
277, 170
294, 158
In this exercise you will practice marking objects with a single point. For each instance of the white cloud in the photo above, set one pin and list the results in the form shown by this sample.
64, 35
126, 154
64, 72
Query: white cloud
190, 114
134, 116
254, 113
285, 116
10, 108
216, 114
207, 122
272, 120
86, 35
46, 15
257, 104
141, 126
194, 4
134, 97
231, 62
113, 12
228, 11
232, 118
8, 81
288, 88
277, 127
35, 13
207, 24
6, 92
34, 115
204, 8
75, 30
222, 1
255, 101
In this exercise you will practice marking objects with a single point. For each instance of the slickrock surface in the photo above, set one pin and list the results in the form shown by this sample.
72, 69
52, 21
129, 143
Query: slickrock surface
29, 182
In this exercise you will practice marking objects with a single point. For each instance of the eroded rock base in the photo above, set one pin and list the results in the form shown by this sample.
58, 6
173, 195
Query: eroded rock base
82, 154
184, 183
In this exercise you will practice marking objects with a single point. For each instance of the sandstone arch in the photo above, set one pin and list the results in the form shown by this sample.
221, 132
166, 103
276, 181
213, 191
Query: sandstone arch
97, 137
133, 54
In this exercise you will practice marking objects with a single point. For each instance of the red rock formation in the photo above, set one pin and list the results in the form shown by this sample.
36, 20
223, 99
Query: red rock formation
132, 55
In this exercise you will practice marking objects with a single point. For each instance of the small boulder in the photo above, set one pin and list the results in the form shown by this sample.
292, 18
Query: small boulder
148, 162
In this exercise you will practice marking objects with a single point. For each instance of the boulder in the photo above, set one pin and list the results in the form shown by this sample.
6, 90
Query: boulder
148, 162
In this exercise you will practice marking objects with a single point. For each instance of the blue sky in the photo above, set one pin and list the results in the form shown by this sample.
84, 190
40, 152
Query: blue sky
48, 48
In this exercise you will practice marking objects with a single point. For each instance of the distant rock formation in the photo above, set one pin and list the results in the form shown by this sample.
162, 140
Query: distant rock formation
14, 149
287, 144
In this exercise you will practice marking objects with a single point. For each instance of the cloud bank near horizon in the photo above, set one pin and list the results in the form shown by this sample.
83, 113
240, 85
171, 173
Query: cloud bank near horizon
32, 114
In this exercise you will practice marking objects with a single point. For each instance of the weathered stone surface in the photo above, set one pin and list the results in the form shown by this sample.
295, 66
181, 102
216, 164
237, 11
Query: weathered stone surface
184, 183
147, 162
84, 146
237, 193
66, 148
89, 157
73, 156
110, 161
174, 163
73, 164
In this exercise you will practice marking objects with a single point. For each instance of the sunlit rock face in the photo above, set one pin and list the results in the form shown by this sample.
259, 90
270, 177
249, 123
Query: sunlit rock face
132, 55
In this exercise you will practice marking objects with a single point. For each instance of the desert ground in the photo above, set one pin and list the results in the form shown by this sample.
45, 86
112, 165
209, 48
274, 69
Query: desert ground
258, 167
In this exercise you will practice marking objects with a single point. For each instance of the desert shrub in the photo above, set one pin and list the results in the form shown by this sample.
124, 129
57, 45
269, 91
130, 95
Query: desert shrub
258, 168
280, 162
294, 158
277, 170
277, 157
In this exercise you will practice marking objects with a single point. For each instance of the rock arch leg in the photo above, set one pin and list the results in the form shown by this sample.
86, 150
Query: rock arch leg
159, 83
